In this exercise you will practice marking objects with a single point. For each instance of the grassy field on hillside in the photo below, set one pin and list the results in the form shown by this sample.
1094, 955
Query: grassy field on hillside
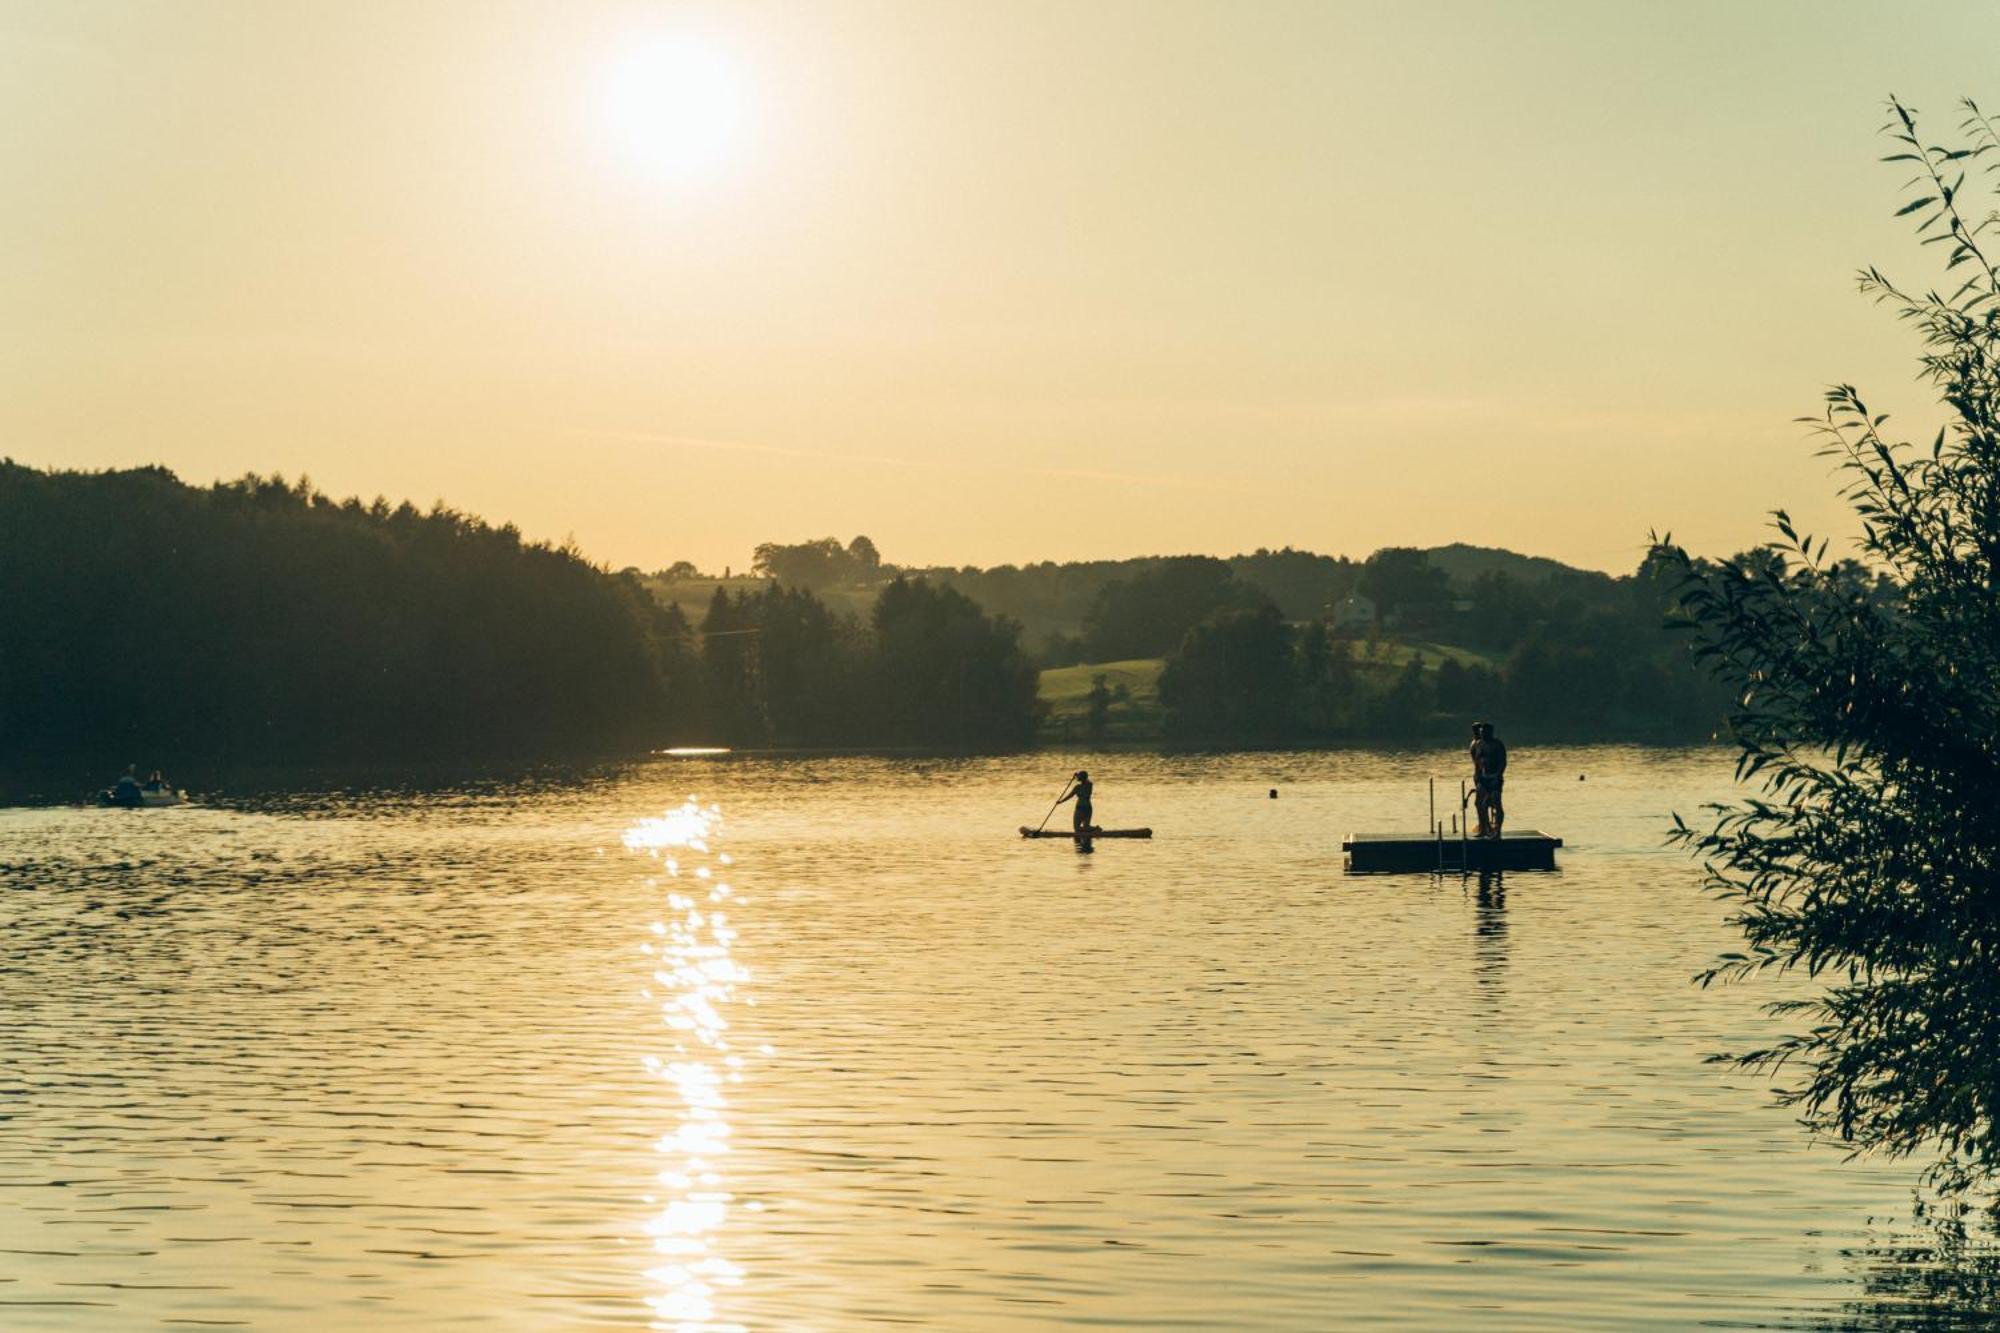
1393, 653
1136, 716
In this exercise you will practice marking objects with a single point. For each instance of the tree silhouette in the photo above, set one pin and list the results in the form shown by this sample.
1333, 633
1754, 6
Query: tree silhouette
262, 619
1871, 855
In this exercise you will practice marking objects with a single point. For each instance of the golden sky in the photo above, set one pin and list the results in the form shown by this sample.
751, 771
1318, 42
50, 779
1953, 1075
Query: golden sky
989, 282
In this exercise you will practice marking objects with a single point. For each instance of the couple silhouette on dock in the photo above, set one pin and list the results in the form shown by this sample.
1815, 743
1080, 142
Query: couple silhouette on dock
1489, 776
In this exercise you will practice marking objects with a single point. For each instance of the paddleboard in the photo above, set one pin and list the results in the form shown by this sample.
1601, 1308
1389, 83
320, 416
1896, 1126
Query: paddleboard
1093, 834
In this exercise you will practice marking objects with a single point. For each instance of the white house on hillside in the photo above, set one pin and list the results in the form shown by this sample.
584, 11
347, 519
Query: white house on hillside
1353, 612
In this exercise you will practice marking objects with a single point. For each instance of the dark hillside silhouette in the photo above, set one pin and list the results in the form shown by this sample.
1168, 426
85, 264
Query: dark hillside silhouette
1465, 565
1235, 679
1148, 614
1569, 654
928, 669
263, 619
945, 669
1572, 653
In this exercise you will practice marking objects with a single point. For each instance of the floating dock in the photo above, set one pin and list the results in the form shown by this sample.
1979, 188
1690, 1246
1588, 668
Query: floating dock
1530, 849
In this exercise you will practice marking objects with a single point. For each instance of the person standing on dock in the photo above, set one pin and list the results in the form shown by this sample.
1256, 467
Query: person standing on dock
1489, 774
1079, 791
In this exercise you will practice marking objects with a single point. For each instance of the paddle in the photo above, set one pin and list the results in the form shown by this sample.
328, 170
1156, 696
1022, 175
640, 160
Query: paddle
1052, 809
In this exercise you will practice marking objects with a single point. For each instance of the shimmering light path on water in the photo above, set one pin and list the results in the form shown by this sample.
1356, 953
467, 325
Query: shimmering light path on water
714, 1043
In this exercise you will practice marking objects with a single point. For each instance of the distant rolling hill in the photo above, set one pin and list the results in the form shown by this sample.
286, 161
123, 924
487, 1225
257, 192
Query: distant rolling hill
1463, 564
1051, 598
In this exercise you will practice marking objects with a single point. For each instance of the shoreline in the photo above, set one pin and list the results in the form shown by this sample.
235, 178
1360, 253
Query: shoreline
55, 784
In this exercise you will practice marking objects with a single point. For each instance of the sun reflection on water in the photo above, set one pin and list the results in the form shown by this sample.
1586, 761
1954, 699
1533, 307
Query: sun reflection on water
695, 985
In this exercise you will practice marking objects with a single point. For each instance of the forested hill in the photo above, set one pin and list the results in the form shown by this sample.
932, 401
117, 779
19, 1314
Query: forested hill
1296, 647
1465, 565
145, 620
262, 622
1059, 603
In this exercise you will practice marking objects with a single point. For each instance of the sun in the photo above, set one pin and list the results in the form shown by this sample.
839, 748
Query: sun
672, 108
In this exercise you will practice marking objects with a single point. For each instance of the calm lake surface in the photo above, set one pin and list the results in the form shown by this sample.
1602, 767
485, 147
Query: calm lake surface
830, 1047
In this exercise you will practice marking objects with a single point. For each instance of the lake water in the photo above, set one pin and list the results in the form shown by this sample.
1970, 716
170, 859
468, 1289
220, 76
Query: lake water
802, 1044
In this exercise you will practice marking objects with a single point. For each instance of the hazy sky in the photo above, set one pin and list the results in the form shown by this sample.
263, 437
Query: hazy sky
988, 282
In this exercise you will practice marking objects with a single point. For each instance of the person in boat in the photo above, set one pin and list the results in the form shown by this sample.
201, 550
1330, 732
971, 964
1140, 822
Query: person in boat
1079, 791
1489, 776
125, 791
156, 782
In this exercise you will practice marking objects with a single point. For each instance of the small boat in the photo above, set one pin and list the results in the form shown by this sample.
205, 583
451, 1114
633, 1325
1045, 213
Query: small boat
140, 798
1086, 835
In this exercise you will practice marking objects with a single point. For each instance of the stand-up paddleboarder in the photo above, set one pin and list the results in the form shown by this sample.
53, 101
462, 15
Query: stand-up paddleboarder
1079, 791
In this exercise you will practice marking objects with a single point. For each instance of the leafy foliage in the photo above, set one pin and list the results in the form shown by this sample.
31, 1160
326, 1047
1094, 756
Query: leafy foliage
943, 670
1402, 581
780, 669
1870, 855
819, 564
1148, 614
1572, 673
928, 669
1302, 583
1233, 680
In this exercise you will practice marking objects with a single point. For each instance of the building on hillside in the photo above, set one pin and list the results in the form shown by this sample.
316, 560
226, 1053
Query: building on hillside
1354, 612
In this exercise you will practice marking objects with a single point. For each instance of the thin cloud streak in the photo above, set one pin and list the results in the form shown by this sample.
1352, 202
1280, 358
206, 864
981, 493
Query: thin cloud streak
888, 460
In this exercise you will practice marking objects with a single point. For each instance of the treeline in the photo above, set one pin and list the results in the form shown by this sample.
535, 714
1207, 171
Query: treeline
1294, 647
263, 621
1568, 655
1070, 611
927, 668
1107, 610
